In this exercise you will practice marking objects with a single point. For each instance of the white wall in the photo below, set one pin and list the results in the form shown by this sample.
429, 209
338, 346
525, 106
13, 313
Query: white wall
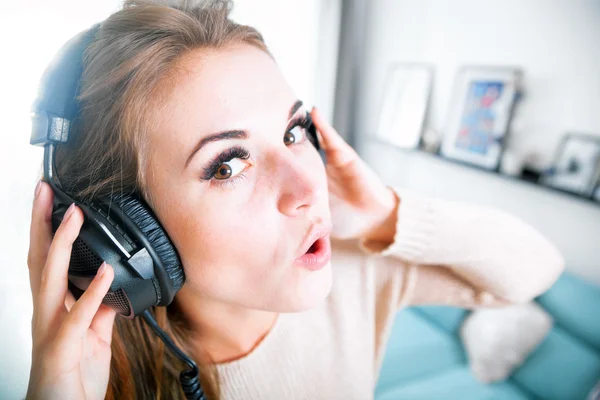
30, 33
556, 42
300, 34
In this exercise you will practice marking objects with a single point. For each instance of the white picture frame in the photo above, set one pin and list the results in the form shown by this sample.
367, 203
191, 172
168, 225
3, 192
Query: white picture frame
404, 106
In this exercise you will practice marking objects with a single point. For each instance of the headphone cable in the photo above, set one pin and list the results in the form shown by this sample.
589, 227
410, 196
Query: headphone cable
189, 379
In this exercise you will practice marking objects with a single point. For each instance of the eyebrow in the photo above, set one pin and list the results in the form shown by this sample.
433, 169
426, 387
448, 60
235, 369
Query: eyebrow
232, 134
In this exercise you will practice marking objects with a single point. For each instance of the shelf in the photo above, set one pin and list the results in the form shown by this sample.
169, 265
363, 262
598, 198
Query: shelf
491, 173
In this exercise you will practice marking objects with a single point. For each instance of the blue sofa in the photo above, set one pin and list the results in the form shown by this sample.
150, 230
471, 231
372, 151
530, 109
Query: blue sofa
425, 358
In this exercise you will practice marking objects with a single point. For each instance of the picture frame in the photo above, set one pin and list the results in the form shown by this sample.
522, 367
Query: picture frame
576, 166
405, 102
481, 108
596, 190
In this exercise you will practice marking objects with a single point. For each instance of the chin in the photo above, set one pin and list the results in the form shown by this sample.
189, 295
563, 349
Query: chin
310, 290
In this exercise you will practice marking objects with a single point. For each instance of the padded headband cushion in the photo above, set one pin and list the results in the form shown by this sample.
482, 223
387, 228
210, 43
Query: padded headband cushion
60, 82
141, 214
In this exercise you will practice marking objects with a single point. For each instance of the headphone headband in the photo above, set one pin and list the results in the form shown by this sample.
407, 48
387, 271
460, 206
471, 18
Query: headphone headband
56, 105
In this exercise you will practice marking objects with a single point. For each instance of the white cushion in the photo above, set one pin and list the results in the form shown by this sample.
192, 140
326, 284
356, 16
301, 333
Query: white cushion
595, 393
498, 340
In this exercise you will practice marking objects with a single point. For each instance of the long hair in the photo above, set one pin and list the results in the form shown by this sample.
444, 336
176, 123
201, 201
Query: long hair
122, 91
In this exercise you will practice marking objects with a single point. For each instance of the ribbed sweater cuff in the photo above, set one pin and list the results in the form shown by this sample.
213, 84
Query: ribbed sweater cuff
415, 230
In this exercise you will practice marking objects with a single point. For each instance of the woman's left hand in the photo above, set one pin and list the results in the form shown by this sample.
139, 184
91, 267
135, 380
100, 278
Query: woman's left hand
361, 205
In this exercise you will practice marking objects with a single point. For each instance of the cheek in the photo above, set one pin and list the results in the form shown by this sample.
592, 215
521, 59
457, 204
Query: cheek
224, 250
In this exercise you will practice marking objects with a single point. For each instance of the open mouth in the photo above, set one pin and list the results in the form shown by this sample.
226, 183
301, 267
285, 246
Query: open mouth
315, 247
317, 255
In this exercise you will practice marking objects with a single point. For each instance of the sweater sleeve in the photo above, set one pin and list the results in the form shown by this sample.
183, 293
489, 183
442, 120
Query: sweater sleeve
467, 255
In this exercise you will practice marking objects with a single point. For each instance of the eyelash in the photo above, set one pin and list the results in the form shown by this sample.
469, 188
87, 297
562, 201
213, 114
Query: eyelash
303, 120
213, 167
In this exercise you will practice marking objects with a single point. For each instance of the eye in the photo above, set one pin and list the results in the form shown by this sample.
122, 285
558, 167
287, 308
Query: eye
294, 135
229, 169
227, 164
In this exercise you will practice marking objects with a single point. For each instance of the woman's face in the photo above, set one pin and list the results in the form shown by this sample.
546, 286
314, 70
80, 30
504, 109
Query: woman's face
240, 208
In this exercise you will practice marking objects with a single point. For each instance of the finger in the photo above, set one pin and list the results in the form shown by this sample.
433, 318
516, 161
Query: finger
54, 281
103, 323
337, 150
82, 313
40, 236
69, 300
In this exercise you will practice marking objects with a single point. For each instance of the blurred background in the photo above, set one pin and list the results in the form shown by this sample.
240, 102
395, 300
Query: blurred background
548, 51
492, 102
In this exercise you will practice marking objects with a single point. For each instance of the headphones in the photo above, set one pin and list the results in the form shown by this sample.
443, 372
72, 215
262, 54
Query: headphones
120, 229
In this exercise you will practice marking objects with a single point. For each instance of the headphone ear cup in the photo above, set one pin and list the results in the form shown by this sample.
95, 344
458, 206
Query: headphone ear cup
140, 213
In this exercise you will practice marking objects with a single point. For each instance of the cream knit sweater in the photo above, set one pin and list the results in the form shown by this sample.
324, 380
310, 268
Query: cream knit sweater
443, 253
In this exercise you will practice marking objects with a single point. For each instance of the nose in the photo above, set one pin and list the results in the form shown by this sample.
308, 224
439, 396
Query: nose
301, 187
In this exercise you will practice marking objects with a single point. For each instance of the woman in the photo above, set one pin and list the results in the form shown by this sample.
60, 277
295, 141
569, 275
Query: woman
271, 308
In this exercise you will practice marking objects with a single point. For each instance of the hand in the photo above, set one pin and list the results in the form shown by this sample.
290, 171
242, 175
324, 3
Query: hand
361, 205
71, 339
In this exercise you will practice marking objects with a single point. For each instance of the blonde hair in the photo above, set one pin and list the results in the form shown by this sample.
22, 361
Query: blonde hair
134, 51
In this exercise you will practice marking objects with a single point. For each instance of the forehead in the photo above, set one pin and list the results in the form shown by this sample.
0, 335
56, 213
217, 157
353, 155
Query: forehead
209, 87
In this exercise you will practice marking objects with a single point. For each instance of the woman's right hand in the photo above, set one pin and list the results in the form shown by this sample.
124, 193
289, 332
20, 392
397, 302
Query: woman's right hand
71, 339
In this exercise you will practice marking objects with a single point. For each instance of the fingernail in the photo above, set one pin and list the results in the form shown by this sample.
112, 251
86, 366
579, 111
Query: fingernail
69, 212
38, 188
101, 270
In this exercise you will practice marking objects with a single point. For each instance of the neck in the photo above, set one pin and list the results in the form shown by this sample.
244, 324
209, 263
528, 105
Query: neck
223, 332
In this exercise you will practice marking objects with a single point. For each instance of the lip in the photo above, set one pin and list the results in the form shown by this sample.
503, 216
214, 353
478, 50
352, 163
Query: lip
319, 236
